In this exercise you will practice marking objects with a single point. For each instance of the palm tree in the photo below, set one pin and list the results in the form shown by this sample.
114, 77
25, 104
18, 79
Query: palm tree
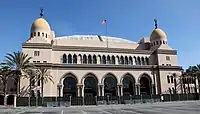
197, 74
30, 74
43, 77
5, 75
18, 62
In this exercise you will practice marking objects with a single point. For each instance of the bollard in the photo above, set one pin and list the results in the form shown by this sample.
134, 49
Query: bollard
170, 97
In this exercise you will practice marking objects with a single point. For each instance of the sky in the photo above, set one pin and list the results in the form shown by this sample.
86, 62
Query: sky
129, 19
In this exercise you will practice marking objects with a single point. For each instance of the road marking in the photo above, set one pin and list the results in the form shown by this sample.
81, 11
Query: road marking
83, 112
105, 112
62, 112
131, 111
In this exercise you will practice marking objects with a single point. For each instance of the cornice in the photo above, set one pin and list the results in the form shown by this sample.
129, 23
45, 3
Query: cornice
105, 67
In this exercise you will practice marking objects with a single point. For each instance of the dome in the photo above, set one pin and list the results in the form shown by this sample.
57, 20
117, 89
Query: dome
157, 34
40, 23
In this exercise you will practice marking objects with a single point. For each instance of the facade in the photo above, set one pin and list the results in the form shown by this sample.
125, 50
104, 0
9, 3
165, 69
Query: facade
93, 65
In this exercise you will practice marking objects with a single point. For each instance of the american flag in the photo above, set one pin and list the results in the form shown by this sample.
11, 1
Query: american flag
103, 22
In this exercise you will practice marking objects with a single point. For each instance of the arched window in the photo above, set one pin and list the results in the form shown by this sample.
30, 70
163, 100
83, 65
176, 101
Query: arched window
89, 59
126, 60
31, 34
143, 61
157, 42
94, 59
108, 59
147, 60
163, 42
103, 59
138, 61
84, 59
64, 58
34, 33
70, 59
46, 35
42, 34
74, 59
130, 60
121, 60
38, 33
113, 60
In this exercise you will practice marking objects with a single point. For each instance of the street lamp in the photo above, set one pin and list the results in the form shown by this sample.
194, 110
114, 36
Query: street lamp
59, 86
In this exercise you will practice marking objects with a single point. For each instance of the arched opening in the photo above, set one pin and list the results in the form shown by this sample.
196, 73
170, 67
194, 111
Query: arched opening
64, 58
147, 60
108, 59
84, 59
128, 85
145, 85
90, 86
89, 59
104, 59
10, 100
69, 83
121, 60
143, 61
74, 59
1, 100
126, 60
110, 85
70, 59
94, 59
130, 60
138, 61
113, 60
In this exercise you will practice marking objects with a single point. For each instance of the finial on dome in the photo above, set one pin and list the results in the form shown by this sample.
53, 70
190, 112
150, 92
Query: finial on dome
41, 12
156, 23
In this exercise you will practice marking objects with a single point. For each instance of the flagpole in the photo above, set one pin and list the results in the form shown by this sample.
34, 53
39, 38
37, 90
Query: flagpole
106, 35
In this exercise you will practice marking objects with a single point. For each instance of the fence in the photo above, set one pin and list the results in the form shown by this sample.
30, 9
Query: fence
103, 100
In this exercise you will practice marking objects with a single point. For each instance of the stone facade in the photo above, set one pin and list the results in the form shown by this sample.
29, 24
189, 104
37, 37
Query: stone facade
146, 64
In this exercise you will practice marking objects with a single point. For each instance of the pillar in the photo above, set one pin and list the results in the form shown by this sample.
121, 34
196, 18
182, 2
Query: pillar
99, 90
78, 91
102, 90
78, 60
98, 60
15, 101
116, 61
82, 91
121, 88
137, 88
118, 90
153, 89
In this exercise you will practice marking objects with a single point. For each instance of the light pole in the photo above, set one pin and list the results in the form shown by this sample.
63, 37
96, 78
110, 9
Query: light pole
59, 86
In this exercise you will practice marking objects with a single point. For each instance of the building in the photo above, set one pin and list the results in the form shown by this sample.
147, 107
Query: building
93, 65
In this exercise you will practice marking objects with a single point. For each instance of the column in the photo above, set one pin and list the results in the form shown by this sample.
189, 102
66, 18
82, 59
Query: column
78, 91
102, 90
82, 91
118, 90
116, 61
137, 85
78, 60
98, 60
15, 100
121, 90
99, 90
153, 89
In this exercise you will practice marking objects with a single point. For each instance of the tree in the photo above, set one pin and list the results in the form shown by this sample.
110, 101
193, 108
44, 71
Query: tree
43, 77
197, 74
30, 74
18, 62
5, 75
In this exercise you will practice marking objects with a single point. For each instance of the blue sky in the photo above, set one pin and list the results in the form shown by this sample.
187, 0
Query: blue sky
130, 19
